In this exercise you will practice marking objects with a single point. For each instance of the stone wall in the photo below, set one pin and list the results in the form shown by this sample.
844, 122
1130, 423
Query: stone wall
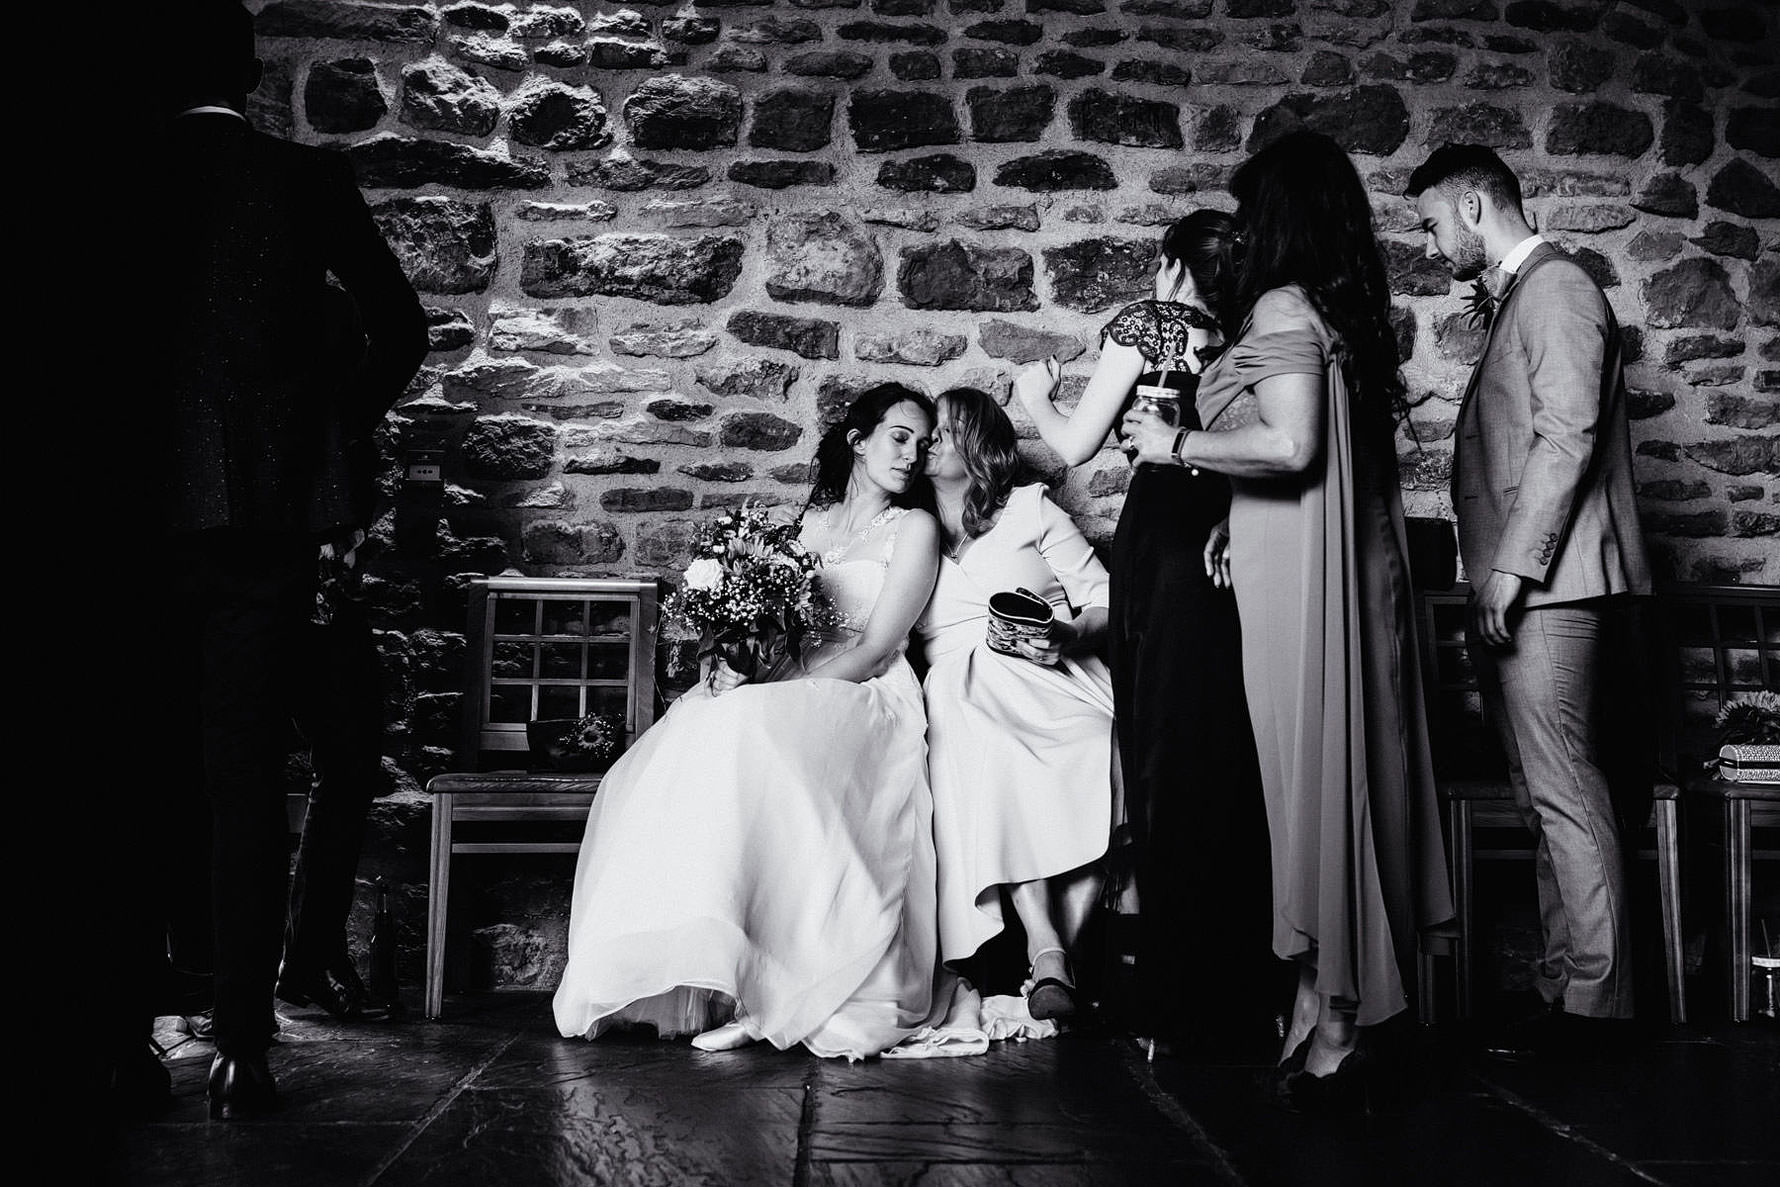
661, 242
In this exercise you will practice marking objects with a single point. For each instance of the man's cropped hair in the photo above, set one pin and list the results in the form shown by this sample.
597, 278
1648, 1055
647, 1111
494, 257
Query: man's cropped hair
1467, 167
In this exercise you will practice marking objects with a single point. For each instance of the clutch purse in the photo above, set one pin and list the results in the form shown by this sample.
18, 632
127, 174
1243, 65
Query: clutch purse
1017, 616
1744, 762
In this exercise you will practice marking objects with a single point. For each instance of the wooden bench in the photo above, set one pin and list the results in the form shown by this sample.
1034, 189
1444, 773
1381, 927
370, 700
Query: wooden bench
534, 648
1704, 645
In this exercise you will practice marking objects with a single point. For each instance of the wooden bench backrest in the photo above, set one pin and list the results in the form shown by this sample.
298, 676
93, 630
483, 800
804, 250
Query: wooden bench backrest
554, 647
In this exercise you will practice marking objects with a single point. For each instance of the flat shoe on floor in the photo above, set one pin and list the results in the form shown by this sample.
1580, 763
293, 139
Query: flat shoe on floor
1051, 998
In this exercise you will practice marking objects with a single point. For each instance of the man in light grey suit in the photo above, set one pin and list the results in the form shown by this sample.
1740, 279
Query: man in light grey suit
1542, 488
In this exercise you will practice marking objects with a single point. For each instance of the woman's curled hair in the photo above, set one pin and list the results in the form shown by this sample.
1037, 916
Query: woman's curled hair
984, 439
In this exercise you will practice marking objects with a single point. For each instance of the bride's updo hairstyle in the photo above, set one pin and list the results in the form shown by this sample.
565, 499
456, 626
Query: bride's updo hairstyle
1209, 243
983, 437
834, 453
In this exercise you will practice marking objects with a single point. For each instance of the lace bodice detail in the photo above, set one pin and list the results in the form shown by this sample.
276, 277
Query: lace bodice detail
1166, 333
852, 575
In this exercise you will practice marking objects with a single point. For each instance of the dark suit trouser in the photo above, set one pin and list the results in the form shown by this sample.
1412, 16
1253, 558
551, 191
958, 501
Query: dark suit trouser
238, 605
340, 714
1544, 694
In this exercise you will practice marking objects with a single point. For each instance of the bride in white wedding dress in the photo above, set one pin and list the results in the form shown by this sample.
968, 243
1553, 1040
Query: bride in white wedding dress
760, 864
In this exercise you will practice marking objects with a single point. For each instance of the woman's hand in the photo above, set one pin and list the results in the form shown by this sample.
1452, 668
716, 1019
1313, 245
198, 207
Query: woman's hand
1037, 385
1217, 556
720, 677
1147, 438
1048, 651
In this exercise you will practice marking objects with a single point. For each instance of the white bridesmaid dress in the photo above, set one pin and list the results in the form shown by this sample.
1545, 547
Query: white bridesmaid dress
1021, 756
768, 852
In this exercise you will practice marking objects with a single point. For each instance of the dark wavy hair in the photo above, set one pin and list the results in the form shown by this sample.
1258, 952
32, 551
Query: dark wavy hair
1210, 244
1308, 222
834, 453
984, 438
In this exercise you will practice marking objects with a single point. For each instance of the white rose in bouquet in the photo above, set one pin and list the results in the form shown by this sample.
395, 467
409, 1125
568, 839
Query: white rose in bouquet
704, 573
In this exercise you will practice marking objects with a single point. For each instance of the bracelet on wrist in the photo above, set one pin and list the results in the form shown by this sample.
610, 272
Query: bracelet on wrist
1180, 440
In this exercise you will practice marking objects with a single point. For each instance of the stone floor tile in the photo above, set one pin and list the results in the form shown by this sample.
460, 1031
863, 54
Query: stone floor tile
263, 1153
581, 1133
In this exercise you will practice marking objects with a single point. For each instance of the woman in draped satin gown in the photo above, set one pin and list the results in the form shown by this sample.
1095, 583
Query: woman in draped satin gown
760, 864
1299, 412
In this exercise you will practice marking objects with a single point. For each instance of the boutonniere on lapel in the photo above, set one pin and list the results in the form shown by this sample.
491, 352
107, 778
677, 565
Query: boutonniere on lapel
1485, 297
1480, 305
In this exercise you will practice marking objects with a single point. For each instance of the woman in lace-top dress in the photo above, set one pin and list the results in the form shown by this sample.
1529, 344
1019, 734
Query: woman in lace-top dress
760, 864
1192, 789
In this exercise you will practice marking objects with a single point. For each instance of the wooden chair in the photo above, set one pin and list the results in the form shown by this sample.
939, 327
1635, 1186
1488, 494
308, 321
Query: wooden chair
535, 648
1723, 642
1473, 782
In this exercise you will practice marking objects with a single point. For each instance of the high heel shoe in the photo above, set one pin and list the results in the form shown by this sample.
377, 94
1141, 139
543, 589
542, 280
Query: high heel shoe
1292, 1064
1051, 997
1346, 1091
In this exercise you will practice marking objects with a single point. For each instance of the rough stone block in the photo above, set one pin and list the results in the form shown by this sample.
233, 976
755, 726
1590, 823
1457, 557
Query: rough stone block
508, 446
657, 268
810, 337
795, 119
1095, 274
955, 275
883, 121
674, 340
1370, 119
547, 114
821, 256
1119, 119
680, 112
940, 173
396, 162
1693, 292
1057, 169
1012, 114
760, 431
915, 348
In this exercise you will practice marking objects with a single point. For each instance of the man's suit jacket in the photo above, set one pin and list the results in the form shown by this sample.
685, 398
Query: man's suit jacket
1542, 469
255, 394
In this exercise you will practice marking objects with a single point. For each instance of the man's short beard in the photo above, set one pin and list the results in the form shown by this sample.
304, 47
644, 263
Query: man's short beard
1469, 258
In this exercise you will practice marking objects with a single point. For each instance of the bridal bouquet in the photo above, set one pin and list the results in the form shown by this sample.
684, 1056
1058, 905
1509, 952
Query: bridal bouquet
749, 596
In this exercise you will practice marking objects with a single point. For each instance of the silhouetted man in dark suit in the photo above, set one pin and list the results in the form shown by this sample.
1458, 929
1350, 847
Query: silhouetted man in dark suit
339, 711
245, 230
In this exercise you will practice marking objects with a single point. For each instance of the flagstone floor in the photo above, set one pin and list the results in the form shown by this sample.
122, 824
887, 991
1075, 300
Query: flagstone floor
490, 1095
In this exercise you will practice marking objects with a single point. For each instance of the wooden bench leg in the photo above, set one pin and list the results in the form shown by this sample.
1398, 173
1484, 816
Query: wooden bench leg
1736, 902
1460, 820
1668, 876
438, 895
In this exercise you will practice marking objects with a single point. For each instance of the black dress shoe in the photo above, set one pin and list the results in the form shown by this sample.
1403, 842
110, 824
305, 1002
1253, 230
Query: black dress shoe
1559, 1037
336, 990
240, 1087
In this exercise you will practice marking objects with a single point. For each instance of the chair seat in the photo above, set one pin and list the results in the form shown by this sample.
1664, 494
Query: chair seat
512, 783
